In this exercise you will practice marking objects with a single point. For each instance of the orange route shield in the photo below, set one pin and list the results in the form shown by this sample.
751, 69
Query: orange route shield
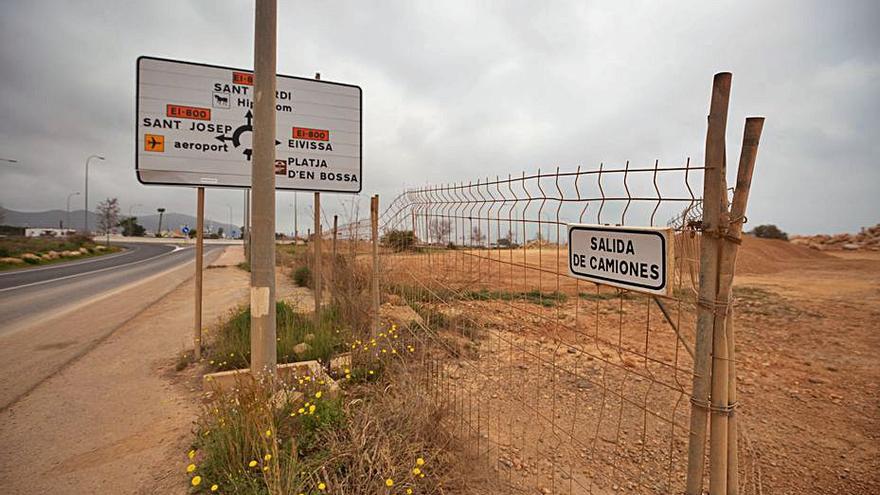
311, 134
244, 78
185, 112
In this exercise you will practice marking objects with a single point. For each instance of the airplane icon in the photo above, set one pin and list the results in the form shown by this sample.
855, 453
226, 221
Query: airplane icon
154, 142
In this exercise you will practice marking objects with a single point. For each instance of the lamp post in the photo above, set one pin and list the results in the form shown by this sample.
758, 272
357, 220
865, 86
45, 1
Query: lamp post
159, 230
86, 212
68, 206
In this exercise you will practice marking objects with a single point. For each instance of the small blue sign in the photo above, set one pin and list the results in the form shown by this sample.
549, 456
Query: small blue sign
185, 229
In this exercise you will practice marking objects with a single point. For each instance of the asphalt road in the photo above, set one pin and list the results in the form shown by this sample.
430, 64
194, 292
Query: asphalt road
31, 293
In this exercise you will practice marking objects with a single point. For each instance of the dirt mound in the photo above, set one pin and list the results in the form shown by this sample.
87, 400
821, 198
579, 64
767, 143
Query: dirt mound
757, 256
867, 239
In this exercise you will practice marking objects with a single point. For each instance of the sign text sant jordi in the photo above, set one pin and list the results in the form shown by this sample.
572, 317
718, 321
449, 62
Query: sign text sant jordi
632, 258
195, 125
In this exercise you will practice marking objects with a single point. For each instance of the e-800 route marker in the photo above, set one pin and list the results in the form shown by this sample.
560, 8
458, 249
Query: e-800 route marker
195, 125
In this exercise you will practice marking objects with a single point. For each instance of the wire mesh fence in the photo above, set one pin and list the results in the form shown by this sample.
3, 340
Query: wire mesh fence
556, 385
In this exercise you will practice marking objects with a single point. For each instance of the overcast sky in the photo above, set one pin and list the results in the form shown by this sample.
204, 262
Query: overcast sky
461, 90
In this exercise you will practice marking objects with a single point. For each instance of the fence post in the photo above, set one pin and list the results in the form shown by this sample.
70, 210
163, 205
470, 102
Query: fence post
713, 199
374, 226
318, 269
748, 156
333, 263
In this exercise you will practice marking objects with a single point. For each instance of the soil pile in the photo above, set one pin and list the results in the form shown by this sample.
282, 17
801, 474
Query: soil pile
757, 256
867, 239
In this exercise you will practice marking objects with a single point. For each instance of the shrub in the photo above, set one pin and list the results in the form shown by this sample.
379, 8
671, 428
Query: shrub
231, 343
302, 276
769, 232
399, 240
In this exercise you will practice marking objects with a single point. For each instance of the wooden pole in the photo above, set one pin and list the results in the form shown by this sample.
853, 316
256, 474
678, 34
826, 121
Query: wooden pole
262, 246
333, 262
200, 257
317, 272
374, 225
748, 157
713, 194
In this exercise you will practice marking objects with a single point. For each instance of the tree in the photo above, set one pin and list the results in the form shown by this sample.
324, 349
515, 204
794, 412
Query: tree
108, 216
769, 232
131, 227
399, 240
439, 229
477, 235
220, 232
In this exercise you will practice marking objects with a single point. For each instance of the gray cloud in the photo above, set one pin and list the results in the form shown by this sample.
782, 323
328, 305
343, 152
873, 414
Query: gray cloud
460, 90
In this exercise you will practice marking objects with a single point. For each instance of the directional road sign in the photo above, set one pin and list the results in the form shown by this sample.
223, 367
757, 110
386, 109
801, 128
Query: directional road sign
195, 124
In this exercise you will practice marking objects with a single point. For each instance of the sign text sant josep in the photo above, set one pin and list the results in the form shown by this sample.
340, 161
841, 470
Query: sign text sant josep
632, 258
195, 127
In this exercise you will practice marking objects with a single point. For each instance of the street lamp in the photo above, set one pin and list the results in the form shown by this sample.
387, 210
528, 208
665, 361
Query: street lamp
68, 206
159, 229
86, 212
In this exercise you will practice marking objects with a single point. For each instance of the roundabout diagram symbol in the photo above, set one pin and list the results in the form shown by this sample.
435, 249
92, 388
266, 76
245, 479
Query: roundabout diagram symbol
237, 133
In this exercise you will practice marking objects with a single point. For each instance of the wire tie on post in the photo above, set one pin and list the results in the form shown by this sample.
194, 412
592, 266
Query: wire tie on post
717, 307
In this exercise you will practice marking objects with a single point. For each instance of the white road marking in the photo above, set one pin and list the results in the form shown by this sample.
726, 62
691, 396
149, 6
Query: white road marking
177, 248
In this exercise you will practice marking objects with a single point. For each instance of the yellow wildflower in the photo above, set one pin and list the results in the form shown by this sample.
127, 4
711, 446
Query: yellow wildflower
312, 409
389, 482
214, 488
252, 464
196, 480
268, 433
190, 468
420, 462
318, 394
417, 471
302, 410
322, 486
409, 491
267, 457
347, 376
191, 454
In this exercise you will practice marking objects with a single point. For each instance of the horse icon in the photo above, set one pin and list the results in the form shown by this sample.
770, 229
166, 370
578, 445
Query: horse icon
221, 100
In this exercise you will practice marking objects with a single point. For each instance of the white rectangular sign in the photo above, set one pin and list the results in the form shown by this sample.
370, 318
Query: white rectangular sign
194, 128
636, 258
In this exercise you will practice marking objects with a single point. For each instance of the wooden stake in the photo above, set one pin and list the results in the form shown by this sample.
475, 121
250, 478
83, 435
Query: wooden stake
374, 224
748, 157
200, 256
317, 271
713, 192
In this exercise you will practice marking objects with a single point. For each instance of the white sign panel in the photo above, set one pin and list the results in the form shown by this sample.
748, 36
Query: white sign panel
632, 258
194, 128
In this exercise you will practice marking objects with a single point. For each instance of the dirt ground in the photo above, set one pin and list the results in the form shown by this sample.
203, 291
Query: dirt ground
589, 393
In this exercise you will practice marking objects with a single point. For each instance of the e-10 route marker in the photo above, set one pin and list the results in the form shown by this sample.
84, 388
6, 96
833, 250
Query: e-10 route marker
634, 258
195, 127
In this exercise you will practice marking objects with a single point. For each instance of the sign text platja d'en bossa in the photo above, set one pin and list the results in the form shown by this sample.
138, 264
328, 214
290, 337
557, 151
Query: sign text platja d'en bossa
195, 127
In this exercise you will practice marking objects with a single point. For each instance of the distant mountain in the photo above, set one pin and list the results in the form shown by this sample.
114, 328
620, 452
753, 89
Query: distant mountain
58, 218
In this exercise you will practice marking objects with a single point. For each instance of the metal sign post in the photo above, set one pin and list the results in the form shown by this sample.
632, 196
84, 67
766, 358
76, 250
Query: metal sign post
263, 356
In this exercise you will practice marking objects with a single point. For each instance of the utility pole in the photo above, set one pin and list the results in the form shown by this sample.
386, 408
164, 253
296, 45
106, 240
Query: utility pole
263, 357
